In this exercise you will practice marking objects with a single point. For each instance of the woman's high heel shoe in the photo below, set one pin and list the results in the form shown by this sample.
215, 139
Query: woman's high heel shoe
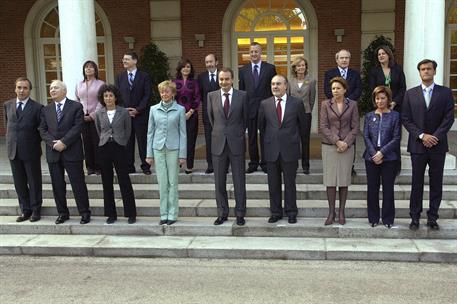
330, 219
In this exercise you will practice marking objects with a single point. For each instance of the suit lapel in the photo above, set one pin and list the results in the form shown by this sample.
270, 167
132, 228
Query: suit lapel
117, 114
233, 103
272, 106
435, 97
66, 108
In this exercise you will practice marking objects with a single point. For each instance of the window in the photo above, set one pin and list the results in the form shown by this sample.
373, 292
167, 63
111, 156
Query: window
452, 51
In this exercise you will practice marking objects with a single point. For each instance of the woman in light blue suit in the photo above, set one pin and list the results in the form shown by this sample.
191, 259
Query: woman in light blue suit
166, 147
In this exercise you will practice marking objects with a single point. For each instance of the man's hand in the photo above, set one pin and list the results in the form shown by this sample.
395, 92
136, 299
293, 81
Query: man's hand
59, 145
189, 113
181, 162
150, 161
429, 140
133, 112
392, 105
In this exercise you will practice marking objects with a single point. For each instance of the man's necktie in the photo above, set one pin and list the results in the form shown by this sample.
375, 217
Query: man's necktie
213, 80
130, 80
279, 111
343, 73
427, 96
59, 112
226, 104
256, 75
19, 109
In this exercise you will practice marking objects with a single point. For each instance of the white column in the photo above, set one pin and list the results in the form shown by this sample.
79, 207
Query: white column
78, 40
424, 38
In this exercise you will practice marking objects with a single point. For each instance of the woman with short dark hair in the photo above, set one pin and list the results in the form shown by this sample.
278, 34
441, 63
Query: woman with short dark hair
113, 124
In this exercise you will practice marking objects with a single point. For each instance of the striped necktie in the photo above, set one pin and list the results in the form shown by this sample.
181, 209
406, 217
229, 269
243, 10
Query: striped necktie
130, 80
59, 112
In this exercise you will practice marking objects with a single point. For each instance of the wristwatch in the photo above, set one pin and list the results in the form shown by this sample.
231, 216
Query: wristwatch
421, 136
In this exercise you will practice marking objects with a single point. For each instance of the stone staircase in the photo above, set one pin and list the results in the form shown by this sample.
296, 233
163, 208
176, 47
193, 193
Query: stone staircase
194, 235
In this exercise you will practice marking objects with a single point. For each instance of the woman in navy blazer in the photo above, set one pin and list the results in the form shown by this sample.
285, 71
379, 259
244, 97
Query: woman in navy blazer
381, 133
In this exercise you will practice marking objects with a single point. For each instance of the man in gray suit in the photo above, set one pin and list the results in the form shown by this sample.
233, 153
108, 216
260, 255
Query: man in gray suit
228, 115
282, 120
23, 143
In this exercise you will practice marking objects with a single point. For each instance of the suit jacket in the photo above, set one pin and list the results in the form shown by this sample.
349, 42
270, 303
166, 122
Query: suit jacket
353, 79
68, 130
263, 89
388, 127
282, 139
335, 126
307, 92
120, 128
436, 120
228, 130
397, 83
205, 87
138, 97
22, 136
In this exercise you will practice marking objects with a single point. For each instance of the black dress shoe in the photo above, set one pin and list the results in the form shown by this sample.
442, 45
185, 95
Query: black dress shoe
274, 219
264, 169
131, 220
147, 172
36, 216
163, 222
388, 226
85, 219
353, 173
111, 220
374, 224
23, 217
171, 222
306, 171
188, 171
209, 171
220, 220
90, 171
432, 224
251, 169
414, 225
240, 221
62, 219
292, 219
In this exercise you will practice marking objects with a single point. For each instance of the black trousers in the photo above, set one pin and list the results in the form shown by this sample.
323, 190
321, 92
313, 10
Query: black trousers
435, 164
113, 154
289, 173
140, 131
90, 141
305, 140
28, 185
253, 146
59, 186
192, 132
208, 129
239, 181
376, 174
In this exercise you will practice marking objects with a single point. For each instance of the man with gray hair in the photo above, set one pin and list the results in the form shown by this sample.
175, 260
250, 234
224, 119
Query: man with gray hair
351, 76
61, 125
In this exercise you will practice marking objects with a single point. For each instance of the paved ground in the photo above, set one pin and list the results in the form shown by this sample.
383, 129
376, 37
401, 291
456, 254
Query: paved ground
117, 280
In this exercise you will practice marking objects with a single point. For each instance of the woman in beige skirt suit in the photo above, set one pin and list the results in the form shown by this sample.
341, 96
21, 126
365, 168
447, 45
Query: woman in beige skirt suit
339, 125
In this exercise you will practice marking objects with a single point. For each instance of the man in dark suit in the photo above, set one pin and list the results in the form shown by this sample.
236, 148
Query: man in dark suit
61, 126
255, 78
427, 114
282, 120
228, 114
135, 87
352, 77
23, 143
208, 82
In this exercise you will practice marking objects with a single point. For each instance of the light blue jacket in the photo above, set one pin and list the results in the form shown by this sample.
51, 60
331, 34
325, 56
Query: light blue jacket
167, 128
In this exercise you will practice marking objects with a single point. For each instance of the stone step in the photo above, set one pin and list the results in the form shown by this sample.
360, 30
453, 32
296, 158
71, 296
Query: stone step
255, 227
450, 177
230, 247
253, 191
207, 208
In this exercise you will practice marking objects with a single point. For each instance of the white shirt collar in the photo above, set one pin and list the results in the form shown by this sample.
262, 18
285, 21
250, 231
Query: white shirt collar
258, 64
23, 101
431, 87
229, 92
62, 102
215, 74
343, 69
283, 98
133, 72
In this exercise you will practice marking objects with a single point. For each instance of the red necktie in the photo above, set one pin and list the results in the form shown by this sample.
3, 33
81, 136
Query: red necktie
279, 111
226, 104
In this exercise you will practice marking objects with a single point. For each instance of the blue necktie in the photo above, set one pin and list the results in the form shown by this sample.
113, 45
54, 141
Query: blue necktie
59, 112
256, 75
343, 73
19, 109
130, 80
